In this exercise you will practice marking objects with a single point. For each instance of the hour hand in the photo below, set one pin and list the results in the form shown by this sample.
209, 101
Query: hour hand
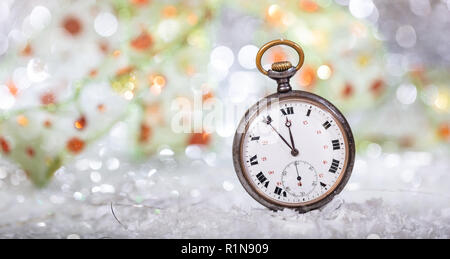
288, 124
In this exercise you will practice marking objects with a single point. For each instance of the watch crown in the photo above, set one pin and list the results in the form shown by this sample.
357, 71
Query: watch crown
281, 66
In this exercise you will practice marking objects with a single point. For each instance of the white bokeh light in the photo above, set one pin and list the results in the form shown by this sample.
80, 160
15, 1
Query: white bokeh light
78, 196
228, 186
168, 30
406, 93
6, 99
166, 152
95, 177
222, 58
324, 72
193, 152
406, 36
247, 56
374, 150
105, 24
361, 8
40, 17
95, 164
113, 164
37, 70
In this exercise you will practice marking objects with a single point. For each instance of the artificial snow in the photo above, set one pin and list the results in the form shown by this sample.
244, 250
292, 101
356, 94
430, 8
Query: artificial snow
188, 198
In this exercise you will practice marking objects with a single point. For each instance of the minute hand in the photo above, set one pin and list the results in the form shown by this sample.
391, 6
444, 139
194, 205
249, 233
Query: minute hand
284, 140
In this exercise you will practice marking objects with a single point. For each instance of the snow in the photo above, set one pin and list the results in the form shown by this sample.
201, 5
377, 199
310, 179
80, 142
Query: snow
397, 195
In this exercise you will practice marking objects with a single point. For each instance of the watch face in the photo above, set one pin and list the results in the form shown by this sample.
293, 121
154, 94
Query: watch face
293, 152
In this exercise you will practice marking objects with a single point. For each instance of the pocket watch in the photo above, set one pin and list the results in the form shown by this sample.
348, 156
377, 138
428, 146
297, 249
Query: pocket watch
292, 149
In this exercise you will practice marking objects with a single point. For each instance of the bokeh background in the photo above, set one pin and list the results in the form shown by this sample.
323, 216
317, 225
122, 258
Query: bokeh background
89, 91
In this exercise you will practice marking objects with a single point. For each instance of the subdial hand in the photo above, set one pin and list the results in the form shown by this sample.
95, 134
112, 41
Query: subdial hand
294, 151
299, 178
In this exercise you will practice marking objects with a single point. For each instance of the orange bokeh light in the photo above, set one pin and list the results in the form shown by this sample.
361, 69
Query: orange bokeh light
22, 120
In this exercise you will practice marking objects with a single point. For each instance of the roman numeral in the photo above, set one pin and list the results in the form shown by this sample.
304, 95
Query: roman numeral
288, 110
261, 177
279, 191
326, 125
336, 144
308, 112
334, 166
322, 184
268, 119
255, 138
254, 160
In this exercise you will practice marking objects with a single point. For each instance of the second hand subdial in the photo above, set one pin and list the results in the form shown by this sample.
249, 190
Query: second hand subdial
299, 178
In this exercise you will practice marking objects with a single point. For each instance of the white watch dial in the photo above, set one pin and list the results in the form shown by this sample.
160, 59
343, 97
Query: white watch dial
294, 152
